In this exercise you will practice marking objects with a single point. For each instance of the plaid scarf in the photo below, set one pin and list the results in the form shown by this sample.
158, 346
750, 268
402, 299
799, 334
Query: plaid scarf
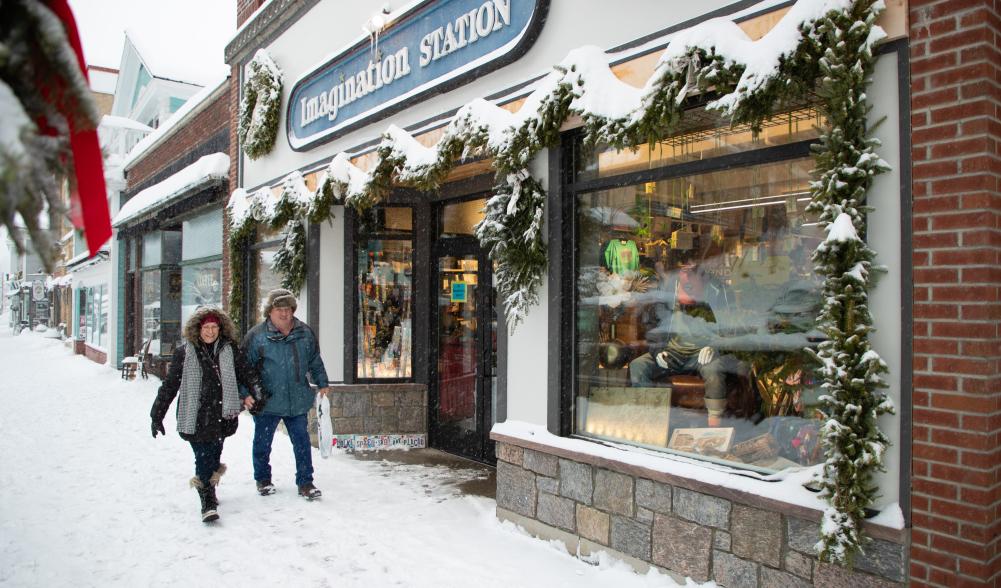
189, 398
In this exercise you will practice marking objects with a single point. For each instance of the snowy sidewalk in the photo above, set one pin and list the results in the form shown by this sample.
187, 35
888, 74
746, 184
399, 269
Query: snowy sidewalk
91, 499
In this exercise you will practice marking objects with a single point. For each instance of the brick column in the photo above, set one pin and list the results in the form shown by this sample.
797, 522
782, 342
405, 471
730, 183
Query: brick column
234, 183
955, 85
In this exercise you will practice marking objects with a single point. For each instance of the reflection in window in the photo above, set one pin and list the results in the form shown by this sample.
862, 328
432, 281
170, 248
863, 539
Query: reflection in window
706, 135
460, 219
151, 285
96, 316
695, 299
384, 269
267, 278
201, 285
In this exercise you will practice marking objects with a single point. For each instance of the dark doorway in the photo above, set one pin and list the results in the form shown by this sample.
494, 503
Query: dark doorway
463, 390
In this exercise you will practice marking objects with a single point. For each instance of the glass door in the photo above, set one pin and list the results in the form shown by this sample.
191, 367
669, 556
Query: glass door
463, 394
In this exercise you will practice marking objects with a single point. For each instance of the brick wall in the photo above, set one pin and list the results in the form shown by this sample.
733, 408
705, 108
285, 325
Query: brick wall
179, 146
244, 8
955, 84
233, 96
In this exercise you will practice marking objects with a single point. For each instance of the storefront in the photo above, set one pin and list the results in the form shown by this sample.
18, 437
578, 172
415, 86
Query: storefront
171, 236
619, 310
91, 305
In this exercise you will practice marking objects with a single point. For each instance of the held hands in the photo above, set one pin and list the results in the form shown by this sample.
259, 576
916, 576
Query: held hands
706, 355
157, 427
248, 402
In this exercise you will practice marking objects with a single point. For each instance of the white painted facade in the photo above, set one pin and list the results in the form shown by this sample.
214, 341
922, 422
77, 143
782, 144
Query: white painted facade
332, 26
142, 94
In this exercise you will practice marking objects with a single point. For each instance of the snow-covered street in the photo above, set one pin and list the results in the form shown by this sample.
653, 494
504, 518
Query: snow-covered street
91, 499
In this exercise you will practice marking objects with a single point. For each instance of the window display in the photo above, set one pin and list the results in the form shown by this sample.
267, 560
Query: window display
201, 285
696, 299
98, 303
201, 262
151, 288
384, 269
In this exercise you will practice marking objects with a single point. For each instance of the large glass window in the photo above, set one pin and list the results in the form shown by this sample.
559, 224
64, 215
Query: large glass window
201, 263
98, 303
201, 285
695, 300
151, 288
384, 270
267, 243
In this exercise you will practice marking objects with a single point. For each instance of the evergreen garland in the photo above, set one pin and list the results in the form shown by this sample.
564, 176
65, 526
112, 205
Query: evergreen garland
832, 60
261, 105
43, 95
290, 261
852, 372
240, 240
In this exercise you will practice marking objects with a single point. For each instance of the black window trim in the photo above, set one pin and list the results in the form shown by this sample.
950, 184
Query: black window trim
564, 233
354, 239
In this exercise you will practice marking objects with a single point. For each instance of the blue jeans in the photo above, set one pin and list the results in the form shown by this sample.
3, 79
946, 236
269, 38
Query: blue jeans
207, 456
264, 433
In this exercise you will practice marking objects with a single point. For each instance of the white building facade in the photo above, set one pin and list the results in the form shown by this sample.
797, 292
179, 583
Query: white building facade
655, 386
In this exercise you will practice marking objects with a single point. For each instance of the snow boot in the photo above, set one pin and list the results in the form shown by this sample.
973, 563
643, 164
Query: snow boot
265, 487
309, 491
214, 481
209, 502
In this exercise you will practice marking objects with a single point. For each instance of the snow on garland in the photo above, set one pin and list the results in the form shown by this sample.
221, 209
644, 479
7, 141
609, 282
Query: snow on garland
259, 109
43, 96
819, 48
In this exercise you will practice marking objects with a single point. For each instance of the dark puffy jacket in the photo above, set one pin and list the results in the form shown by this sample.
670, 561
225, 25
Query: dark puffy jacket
210, 425
284, 361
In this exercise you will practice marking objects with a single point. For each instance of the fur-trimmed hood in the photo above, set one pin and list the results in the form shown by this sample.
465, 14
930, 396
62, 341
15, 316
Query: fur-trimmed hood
193, 327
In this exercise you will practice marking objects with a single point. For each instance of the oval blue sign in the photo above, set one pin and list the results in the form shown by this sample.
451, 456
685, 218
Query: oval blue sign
433, 47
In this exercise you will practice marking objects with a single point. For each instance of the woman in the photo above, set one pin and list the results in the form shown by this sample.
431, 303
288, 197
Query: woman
207, 370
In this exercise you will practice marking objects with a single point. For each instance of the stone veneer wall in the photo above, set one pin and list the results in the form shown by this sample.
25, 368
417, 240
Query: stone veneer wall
685, 531
376, 409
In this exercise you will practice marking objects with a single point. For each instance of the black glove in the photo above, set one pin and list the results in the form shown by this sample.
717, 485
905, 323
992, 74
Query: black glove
156, 427
260, 400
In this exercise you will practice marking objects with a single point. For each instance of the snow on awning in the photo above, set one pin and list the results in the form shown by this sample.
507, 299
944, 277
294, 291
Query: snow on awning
204, 171
120, 122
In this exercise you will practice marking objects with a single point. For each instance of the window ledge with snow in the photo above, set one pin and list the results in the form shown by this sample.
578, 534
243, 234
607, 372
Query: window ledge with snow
783, 492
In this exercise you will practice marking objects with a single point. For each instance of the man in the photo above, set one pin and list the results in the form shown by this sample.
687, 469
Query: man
284, 350
681, 341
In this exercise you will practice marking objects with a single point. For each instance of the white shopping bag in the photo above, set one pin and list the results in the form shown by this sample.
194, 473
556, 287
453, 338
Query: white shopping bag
324, 426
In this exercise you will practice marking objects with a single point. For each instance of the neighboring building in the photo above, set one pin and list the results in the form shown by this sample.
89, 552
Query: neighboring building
152, 85
600, 441
150, 137
80, 285
169, 228
29, 303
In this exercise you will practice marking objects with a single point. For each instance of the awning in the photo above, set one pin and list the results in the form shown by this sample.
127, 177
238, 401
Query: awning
207, 170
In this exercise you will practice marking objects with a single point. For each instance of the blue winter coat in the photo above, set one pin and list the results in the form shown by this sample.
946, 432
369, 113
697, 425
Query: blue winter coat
283, 361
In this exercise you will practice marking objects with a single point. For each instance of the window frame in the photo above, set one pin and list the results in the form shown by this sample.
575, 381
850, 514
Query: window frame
567, 234
355, 238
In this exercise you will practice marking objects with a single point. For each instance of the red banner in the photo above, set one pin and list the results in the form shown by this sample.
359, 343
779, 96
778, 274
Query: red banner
90, 198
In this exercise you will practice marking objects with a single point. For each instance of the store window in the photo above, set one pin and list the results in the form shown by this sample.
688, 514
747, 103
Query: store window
201, 263
696, 296
267, 243
98, 303
160, 285
151, 309
384, 278
460, 219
